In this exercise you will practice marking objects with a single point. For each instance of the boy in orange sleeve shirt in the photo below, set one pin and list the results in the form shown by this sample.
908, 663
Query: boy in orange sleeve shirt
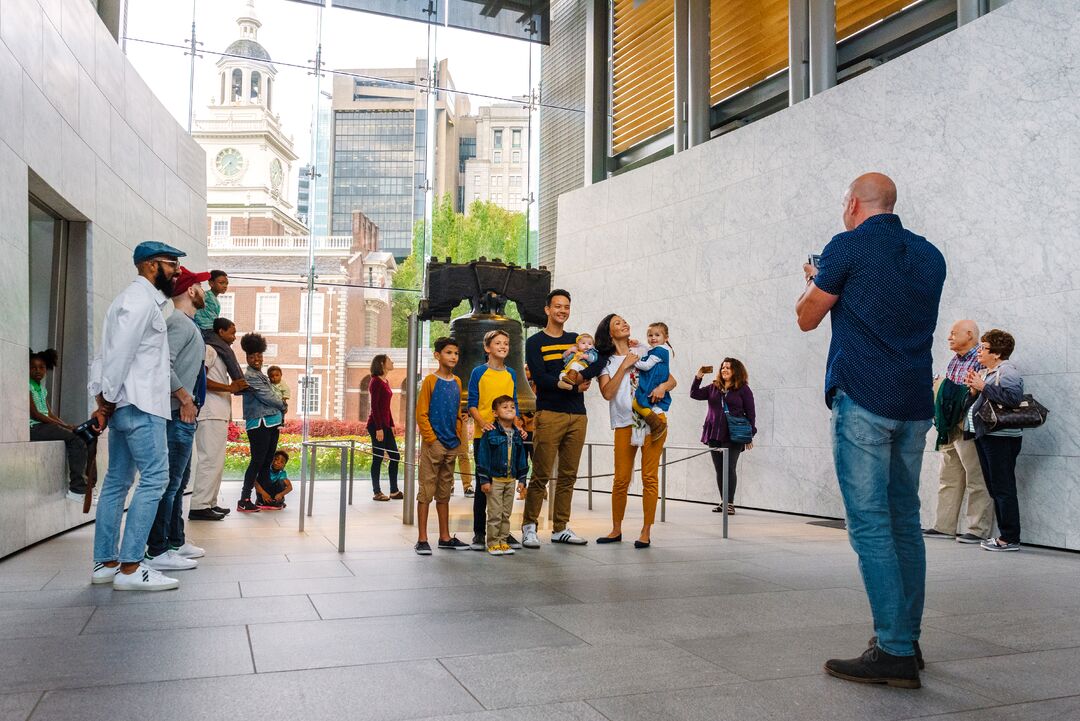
438, 418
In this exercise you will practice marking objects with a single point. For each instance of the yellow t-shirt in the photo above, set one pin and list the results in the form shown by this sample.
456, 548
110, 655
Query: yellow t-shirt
485, 385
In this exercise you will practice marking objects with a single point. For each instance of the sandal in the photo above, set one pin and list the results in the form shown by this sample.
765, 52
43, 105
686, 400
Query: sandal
397, 495
380, 497
730, 510
718, 509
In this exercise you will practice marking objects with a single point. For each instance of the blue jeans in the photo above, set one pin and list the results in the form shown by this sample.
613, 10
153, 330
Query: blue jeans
877, 463
168, 529
136, 443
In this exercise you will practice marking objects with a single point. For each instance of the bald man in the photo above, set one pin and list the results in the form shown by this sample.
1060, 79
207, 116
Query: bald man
881, 284
960, 470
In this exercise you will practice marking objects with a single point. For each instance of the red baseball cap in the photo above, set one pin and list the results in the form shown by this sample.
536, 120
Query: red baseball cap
185, 278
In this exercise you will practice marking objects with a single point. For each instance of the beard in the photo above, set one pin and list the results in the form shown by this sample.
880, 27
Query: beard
163, 283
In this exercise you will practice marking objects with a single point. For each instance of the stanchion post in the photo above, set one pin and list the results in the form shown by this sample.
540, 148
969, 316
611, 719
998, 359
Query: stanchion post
304, 450
352, 466
724, 489
663, 485
311, 478
408, 513
590, 476
345, 464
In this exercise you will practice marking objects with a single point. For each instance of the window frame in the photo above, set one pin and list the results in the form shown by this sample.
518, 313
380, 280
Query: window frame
260, 301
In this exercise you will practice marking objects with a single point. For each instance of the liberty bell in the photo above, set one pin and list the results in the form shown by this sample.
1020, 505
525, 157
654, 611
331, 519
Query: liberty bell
489, 286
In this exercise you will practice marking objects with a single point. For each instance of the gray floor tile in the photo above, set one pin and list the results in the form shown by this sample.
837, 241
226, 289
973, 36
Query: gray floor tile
200, 614
709, 616
102, 659
1023, 629
801, 651
321, 644
1062, 709
574, 673
31, 623
985, 595
572, 711
1018, 678
352, 584
663, 586
24, 581
17, 706
103, 595
384, 692
808, 698
227, 573
461, 598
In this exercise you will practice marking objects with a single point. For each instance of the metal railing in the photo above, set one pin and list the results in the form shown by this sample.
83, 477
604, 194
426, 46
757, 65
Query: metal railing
278, 243
348, 449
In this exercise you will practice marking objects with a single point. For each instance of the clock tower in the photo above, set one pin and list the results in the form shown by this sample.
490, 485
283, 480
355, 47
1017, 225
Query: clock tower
248, 156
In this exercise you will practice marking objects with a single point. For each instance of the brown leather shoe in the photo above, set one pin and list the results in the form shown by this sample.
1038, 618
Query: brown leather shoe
397, 495
380, 497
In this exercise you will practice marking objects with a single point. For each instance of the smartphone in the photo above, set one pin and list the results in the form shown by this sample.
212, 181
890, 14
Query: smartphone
814, 260
706, 369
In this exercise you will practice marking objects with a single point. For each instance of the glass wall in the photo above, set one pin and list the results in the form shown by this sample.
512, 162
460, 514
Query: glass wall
393, 124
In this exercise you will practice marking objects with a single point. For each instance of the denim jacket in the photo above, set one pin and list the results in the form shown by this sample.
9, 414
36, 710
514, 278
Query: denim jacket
1004, 385
260, 399
491, 458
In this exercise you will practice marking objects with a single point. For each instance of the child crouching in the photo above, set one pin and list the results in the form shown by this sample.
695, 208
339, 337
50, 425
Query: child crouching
500, 461
272, 497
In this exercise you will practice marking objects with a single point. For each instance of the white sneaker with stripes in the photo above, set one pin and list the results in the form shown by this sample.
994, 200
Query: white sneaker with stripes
103, 573
144, 579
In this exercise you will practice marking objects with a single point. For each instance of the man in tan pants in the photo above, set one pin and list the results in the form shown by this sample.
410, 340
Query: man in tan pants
960, 469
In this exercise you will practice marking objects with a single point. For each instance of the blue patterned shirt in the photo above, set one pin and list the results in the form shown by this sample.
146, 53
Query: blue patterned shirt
889, 281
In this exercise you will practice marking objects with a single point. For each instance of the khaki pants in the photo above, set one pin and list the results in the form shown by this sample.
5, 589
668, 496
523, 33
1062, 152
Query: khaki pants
960, 472
210, 438
562, 435
625, 453
463, 462
500, 504
436, 476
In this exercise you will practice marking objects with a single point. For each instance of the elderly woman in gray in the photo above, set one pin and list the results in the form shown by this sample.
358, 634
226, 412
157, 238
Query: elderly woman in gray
999, 382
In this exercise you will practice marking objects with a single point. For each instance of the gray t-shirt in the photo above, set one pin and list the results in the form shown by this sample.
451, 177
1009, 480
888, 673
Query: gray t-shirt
186, 353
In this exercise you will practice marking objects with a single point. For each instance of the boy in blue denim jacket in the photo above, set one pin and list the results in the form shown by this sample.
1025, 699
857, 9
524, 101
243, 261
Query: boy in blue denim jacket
500, 460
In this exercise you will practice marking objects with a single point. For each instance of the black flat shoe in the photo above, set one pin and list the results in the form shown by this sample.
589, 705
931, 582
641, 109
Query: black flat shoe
610, 539
718, 509
642, 544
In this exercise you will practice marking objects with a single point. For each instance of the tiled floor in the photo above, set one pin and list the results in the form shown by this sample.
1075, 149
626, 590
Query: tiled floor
277, 624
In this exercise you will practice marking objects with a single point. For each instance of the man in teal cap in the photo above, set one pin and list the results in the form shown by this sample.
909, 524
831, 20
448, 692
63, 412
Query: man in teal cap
131, 382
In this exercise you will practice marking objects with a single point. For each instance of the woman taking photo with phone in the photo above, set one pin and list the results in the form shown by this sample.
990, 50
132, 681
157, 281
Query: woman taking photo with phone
729, 396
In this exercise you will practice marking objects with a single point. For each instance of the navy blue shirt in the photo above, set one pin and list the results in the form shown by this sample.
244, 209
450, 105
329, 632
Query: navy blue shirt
889, 281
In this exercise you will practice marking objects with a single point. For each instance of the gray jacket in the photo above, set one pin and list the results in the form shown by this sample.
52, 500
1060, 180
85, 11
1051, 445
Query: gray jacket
260, 398
1004, 385
187, 351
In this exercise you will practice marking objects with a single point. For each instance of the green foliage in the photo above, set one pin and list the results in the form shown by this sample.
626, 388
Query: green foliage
488, 231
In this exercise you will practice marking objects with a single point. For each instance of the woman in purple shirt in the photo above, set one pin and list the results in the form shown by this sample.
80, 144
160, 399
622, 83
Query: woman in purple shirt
730, 386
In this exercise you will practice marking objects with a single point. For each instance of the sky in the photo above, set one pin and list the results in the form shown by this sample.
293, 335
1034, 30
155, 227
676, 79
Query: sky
479, 63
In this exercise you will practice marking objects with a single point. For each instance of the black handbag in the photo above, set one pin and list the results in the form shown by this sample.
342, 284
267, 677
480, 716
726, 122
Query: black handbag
739, 428
999, 417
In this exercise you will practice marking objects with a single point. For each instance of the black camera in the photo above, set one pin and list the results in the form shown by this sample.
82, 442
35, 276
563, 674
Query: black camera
88, 431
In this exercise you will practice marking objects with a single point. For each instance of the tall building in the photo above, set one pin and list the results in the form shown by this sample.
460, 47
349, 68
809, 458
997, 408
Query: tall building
248, 155
303, 193
379, 160
499, 172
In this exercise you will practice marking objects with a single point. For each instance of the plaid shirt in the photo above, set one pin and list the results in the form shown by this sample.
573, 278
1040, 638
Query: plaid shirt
961, 364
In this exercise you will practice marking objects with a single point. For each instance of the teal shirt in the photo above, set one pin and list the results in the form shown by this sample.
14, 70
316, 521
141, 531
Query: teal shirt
39, 394
206, 316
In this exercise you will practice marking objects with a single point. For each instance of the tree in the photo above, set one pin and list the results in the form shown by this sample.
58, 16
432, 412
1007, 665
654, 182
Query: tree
488, 231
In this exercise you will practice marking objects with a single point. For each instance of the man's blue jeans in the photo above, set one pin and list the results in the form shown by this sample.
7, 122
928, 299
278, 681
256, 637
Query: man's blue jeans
877, 463
168, 529
136, 443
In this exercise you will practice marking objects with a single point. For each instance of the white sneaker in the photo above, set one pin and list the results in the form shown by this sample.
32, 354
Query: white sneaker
170, 561
190, 550
103, 574
495, 550
528, 536
568, 536
144, 579
77, 497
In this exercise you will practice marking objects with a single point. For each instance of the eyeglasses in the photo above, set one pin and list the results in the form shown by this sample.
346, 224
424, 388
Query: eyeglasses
168, 261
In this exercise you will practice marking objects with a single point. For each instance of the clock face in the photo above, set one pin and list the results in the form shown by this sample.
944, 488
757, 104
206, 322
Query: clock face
229, 162
276, 173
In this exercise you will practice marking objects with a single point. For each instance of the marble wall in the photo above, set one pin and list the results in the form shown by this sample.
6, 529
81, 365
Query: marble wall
83, 132
981, 131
